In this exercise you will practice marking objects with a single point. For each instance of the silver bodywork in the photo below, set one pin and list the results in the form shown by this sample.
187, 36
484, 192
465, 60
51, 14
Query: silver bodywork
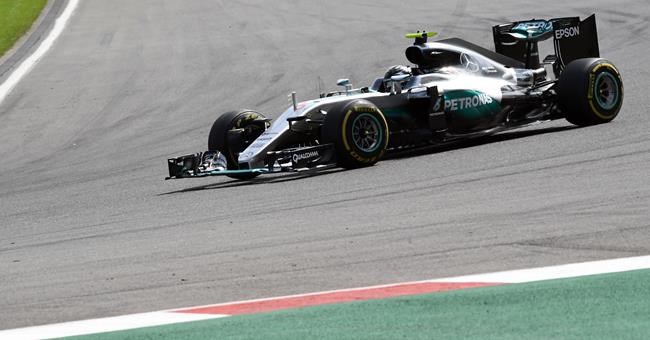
474, 71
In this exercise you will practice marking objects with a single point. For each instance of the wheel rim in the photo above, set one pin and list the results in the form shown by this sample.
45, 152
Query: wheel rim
366, 133
607, 91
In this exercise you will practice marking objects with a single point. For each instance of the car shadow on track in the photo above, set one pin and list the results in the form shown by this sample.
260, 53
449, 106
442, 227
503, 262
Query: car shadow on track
286, 177
467, 143
265, 179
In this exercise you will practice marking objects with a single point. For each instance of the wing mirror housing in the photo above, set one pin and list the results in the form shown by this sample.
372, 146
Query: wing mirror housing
395, 81
345, 83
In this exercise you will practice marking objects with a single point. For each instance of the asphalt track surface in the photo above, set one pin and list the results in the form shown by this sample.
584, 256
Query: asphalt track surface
89, 228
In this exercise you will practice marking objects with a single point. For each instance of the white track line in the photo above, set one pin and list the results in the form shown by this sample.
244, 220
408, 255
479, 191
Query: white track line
512, 276
133, 321
34, 58
102, 325
558, 272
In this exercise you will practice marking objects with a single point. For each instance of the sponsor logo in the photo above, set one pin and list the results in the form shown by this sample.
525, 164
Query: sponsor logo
462, 103
567, 32
257, 145
362, 108
436, 106
534, 27
309, 156
364, 159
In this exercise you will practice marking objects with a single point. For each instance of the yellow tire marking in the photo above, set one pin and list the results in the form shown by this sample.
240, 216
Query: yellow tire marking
592, 85
369, 109
343, 126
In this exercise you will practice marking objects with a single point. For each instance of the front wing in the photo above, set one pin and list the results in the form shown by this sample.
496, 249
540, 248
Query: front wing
299, 159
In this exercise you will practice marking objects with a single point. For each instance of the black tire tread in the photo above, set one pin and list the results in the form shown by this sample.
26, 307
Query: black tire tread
332, 133
573, 87
218, 139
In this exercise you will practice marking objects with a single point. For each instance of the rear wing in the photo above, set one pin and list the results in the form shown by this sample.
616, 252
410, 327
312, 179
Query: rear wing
572, 39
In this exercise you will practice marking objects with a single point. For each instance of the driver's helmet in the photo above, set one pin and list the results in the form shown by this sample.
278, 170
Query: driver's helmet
396, 70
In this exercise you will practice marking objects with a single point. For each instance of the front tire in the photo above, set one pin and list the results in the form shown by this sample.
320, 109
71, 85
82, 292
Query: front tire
590, 91
233, 132
359, 132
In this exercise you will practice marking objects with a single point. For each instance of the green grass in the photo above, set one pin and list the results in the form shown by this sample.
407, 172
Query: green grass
16, 17
610, 306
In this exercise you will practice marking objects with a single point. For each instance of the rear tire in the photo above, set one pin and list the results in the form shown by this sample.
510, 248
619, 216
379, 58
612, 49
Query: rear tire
590, 91
230, 143
359, 132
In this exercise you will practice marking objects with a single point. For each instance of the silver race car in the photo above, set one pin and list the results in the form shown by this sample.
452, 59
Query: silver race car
455, 90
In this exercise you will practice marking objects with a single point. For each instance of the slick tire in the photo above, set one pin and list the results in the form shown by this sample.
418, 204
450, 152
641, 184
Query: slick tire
233, 132
590, 91
359, 132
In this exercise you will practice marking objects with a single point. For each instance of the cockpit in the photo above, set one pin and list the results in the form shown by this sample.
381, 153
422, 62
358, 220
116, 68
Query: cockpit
444, 59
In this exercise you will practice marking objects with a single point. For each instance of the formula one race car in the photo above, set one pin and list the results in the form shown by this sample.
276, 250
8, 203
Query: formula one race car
456, 90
